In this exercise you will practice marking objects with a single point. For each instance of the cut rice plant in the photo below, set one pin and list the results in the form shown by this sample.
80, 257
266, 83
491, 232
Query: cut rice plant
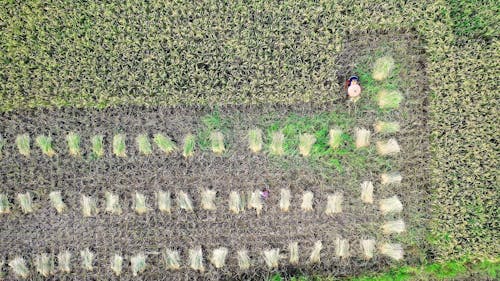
243, 260
306, 141
334, 204
140, 205
277, 141
394, 251
208, 200
255, 202
236, 205
386, 127
18, 266
196, 259
44, 264
367, 192
341, 248
184, 202
64, 261
97, 146
390, 227
389, 99
272, 257
285, 199
391, 147
255, 140
138, 264
73, 141
45, 144
315, 256
172, 259
391, 178
25, 202
189, 145
87, 259
335, 138
89, 206
119, 147
143, 144
4, 204
57, 202
362, 137
307, 201
382, 68
391, 205
368, 248
23, 144
293, 248
164, 201
218, 258
165, 143
217, 142
112, 203
117, 264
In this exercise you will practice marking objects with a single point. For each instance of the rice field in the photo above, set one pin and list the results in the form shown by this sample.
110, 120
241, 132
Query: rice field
213, 141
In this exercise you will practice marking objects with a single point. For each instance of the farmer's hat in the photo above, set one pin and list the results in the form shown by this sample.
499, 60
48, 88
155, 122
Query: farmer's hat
354, 77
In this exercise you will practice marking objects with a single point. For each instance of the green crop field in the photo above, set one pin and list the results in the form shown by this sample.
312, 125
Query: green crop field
211, 140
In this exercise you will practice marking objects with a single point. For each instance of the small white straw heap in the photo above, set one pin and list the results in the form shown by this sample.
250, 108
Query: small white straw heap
196, 259
89, 206
397, 226
4, 204
184, 202
172, 259
362, 137
18, 266
307, 201
87, 258
272, 257
44, 265
64, 261
218, 258
117, 264
112, 203
293, 248
367, 192
285, 199
25, 202
342, 248
236, 205
138, 264
140, 205
394, 251
391, 205
208, 200
56, 200
164, 201
391, 178
243, 260
368, 247
391, 147
255, 201
334, 204
316, 252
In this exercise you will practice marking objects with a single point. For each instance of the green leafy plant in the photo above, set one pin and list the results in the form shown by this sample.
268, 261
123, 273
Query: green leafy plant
119, 147
97, 146
189, 145
23, 144
45, 144
164, 143
143, 144
73, 141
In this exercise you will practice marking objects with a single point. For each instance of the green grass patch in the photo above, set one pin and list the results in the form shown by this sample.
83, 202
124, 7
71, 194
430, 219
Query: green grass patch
189, 145
23, 144
119, 147
73, 141
97, 146
45, 144
165, 143
143, 144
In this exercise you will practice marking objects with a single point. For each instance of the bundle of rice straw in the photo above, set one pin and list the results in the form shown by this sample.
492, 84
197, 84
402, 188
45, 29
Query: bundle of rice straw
272, 257
394, 251
293, 248
255, 201
316, 252
138, 264
164, 201
172, 259
391, 178
342, 248
367, 192
285, 200
196, 259
218, 258
236, 205
334, 204
184, 202
368, 247
117, 264
208, 200
391, 147
44, 265
391, 205
112, 203
243, 260
64, 261
362, 137
397, 226
307, 201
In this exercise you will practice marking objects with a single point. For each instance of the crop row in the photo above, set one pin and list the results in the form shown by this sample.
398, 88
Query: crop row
167, 145
208, 200
47, 264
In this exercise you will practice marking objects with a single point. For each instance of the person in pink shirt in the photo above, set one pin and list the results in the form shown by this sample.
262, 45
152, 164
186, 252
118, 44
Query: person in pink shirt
353, 89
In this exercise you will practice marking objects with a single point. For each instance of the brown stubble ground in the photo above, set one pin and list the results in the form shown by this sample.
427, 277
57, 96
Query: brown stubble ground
129, 233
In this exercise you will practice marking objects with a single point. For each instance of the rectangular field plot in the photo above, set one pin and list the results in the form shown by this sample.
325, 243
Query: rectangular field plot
235, 192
